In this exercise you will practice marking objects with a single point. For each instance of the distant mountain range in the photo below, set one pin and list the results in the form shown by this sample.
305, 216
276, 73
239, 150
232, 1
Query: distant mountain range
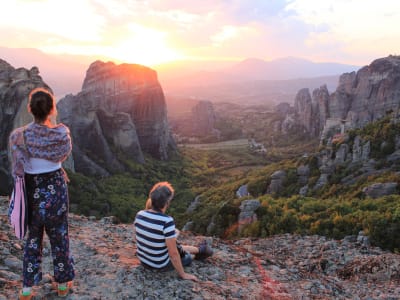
288, 68
244, 92
65, 74
253, 81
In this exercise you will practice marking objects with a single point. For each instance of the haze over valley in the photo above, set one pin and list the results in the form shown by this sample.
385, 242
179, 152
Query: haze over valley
251, 81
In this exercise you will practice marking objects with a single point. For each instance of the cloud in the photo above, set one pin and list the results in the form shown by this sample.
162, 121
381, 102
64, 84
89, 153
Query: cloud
66, 19
257, 11
364, 28
322, 30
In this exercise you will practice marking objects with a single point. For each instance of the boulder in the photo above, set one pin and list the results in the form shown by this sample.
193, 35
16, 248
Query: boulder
242, 191
377, 190
247, 212
303, 191
195, 203
277, 180
303, 172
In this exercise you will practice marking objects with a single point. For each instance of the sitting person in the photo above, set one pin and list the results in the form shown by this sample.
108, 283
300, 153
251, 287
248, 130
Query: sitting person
156, 236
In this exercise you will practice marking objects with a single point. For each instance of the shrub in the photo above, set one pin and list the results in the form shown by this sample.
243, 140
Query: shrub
258, 186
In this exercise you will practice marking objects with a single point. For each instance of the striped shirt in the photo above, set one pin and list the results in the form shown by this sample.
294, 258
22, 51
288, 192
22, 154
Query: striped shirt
152, 228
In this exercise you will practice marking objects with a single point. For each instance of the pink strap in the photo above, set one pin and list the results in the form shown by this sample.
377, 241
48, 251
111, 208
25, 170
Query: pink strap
18, 215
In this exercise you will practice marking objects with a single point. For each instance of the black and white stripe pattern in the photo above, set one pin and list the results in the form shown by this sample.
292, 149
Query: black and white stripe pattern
151, 231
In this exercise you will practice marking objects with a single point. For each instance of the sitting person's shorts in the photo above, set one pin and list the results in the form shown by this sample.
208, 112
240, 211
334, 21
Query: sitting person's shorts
186, 259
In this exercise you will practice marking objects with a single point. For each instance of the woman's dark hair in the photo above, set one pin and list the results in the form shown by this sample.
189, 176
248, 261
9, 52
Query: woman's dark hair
41, 102
160, 195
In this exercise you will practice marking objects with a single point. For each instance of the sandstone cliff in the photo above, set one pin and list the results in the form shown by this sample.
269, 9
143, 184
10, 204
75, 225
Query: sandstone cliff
120, 110
15, 85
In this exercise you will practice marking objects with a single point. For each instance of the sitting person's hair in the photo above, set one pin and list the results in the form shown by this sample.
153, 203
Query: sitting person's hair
160, 195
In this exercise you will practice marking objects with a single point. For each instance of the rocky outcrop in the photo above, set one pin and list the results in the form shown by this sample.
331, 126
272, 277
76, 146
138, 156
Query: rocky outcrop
247, 213
343, 161
368, 95
360, 98
15, 86
203, 118
303, 173
377, 190
242, 191
120, 110
280, 267
305, 109
197, 124
285, 122
194, 204
277, 181
321, 99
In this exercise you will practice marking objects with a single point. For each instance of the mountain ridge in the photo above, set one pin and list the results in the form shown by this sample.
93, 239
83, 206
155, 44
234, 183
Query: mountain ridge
289, 68
65, 73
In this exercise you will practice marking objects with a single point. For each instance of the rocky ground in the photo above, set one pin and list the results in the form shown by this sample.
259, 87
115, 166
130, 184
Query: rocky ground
280, 267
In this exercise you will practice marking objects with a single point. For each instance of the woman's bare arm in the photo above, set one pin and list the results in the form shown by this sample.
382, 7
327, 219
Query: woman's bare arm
176, 260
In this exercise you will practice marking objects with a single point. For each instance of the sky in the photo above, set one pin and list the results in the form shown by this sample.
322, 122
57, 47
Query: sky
151, 32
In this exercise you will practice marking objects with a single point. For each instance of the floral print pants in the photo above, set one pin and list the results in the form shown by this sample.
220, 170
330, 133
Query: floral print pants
47, 211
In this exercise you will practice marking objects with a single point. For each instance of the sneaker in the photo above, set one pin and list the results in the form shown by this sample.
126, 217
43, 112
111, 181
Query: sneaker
25, 295
181, 252
63, 288
204, 250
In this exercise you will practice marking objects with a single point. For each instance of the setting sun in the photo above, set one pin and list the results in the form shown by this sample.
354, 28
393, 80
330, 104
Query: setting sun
144, 46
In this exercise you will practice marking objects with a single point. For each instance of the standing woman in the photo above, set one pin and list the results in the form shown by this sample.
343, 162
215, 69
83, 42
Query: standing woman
37, 151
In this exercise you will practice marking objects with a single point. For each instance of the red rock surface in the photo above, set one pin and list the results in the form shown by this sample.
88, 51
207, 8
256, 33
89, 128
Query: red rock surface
280, 267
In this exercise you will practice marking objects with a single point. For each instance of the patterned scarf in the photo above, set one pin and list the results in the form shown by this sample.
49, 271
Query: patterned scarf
38, 141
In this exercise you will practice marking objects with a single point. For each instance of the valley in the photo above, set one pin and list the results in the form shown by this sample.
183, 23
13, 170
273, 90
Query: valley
296, 181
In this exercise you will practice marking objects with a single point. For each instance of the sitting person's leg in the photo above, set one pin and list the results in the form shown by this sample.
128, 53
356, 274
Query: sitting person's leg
201, 252
190, 249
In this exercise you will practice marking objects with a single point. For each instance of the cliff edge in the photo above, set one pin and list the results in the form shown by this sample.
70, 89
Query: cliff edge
281, 267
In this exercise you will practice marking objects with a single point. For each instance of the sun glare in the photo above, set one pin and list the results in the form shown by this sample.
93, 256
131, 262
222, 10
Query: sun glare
144, 46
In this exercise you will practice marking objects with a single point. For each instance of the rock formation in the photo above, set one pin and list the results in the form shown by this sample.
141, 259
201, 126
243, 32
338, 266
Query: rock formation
277, 180
247, 213
121, 109
359, 99
303, 173
368, 95
348, 156
242, 191
15, 86
203, 118
197, 123
377, 190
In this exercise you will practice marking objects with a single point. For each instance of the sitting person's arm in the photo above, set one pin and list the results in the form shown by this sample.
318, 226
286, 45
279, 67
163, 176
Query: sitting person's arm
176, 259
